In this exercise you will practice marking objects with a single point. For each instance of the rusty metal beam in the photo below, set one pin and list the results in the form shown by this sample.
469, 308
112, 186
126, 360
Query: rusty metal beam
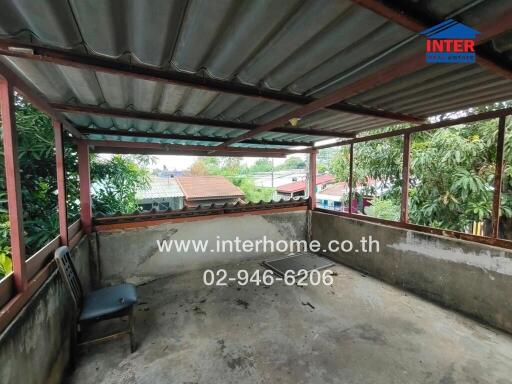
137, 147
137, 151
176, 136
85, 186
409, 65
102, 64
425, 127
393, 71
35, 98
498, 176
403, 17
61, 182
406, 160
13, 184
420, 228
170, 118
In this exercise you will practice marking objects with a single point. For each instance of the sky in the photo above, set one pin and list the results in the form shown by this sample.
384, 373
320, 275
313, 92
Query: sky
182, 163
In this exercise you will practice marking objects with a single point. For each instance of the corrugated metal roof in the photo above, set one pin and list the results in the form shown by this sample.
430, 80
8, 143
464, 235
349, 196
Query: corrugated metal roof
160, 188
299, 47
301, 185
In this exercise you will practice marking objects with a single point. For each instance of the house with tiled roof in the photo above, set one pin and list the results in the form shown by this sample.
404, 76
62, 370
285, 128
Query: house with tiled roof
205, 190
298, 188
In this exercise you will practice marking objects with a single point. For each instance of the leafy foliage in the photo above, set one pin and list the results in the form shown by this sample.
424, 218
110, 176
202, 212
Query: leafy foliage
452, 172
39, 184
116, 181
292, 162
384, 209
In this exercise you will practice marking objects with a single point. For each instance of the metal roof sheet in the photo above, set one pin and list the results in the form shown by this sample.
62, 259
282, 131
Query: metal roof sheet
159, 188
298, 47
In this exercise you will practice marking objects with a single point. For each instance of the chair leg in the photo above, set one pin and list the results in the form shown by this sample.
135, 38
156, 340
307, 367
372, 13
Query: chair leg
131, 321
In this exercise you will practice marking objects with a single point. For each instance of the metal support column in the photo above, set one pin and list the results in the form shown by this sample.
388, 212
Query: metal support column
312, 180
13, 184
85, 186
498, 177
404, 207
61, 182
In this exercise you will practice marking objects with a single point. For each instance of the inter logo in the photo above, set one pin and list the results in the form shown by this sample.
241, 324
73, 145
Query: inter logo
450, 42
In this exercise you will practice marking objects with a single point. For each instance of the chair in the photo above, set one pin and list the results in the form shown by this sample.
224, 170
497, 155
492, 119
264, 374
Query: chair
102, 304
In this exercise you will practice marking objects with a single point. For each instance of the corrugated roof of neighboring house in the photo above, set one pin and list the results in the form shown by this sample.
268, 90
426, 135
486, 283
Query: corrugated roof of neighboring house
301, 185
341, 188
160, 188
337, 189
207, 187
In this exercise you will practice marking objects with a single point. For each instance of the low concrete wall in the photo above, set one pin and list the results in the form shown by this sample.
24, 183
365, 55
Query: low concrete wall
35, 347
133, 255
472, 278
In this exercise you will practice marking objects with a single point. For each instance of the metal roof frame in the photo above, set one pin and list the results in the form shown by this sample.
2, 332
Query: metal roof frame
334, 101
385, 75
100, 64
404, 18
174, 118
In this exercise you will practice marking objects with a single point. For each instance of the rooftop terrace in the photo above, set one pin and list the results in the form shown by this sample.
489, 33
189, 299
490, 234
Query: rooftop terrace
357, 330
259, 79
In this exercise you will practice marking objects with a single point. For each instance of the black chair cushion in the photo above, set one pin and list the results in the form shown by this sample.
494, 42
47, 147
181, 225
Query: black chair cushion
107, 301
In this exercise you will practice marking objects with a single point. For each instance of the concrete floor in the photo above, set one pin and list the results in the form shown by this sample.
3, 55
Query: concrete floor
359, 330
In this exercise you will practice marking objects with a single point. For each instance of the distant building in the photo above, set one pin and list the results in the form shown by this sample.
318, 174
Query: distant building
163, 194
278, 178
298, 188
204, 190
335, 197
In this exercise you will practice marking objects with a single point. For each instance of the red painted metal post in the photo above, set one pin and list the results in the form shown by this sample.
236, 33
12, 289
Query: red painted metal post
350, 176
12, 178
85, 186
61, 182
312, 180
498, 175
404, 208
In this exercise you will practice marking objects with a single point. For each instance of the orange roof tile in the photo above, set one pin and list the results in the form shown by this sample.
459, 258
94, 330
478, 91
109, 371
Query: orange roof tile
207, 187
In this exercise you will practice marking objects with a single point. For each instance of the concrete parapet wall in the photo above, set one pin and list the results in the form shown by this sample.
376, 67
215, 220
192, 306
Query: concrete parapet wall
35, 347
133, 255
472, 278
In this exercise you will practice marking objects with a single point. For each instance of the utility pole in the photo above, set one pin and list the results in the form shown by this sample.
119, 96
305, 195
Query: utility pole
272, 173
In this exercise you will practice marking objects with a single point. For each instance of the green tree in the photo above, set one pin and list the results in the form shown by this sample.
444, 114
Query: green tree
452, 172
262, 165
39, 184
252, 192
292, 162
115, 182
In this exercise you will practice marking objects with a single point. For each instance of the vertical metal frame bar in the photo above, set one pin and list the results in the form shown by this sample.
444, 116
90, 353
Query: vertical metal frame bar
498, 176
12, 178
85, 186
312, 180
406, 160
61, 182
350, 176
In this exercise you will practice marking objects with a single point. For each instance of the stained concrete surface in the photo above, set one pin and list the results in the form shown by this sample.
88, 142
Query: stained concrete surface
359, 330
134, 256
470, 277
